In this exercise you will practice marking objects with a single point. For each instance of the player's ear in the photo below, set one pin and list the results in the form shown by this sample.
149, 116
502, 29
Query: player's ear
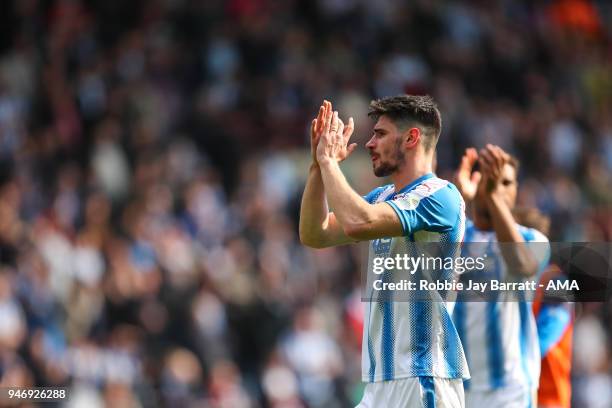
413, 135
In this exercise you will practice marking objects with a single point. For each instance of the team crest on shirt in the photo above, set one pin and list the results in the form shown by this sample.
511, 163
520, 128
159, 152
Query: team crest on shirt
407, 201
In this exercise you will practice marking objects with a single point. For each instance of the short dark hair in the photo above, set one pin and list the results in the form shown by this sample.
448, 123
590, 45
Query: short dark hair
404, 110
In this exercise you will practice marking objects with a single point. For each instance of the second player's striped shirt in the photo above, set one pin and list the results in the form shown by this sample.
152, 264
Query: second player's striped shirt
499, 337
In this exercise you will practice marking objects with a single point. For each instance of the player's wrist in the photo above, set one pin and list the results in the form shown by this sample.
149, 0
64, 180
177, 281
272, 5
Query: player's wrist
494, 199
491, 187
326, 161
467, 197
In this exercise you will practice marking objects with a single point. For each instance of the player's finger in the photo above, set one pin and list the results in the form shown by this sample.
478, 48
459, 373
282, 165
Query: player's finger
500, 160
348, 130
468, 159
494, 152
328, 117
487, 157
320, 118
321, 112
334, 122
499, 153
463, 165
484, 165
476, 177
483, 157
313, 129
504, 157
340, 131
351, 149
493, 160
472, 155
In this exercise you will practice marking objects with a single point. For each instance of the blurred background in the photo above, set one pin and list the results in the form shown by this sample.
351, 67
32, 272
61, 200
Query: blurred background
153, 154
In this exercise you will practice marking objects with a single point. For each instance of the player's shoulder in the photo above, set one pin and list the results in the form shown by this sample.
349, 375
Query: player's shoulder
440, 191
432, 187
429, 187
531, 234
438, 198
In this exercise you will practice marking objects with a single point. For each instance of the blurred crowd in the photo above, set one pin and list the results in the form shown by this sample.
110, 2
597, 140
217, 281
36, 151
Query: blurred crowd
153, 153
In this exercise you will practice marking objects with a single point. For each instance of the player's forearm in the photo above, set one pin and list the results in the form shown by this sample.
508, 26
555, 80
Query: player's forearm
350, 209
314, 212
513, 248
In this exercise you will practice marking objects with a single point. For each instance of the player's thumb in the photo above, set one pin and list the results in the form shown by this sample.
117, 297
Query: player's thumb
476, 177
351, 148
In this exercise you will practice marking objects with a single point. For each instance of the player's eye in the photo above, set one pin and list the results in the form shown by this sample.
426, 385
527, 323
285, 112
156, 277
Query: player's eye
379, 132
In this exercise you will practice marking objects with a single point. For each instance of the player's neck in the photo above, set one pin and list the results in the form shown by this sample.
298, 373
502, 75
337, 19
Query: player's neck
482, 225
411, 170
481, 219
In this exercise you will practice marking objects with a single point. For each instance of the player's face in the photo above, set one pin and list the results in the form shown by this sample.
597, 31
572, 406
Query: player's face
385, 148
508, 187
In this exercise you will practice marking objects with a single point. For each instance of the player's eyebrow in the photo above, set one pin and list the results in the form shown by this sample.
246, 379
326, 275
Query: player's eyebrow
379, 130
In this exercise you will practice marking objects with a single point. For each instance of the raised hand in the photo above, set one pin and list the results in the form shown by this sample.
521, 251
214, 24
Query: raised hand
492, 160
466, 180
333, 143
316, 128
333, 139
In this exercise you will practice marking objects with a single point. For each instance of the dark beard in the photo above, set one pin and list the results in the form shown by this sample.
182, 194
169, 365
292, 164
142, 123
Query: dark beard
387, 168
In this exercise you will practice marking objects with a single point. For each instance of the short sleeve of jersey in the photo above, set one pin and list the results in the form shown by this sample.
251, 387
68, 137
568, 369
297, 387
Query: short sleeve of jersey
539, 246
437, 211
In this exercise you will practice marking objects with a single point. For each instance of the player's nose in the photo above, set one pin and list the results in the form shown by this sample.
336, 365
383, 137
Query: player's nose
371, 143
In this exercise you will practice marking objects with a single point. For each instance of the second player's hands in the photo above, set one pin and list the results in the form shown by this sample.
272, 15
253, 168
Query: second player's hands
466, 180
492, 160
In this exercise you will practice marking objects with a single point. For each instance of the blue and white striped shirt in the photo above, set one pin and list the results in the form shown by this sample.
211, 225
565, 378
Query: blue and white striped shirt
417, 338
499, 337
